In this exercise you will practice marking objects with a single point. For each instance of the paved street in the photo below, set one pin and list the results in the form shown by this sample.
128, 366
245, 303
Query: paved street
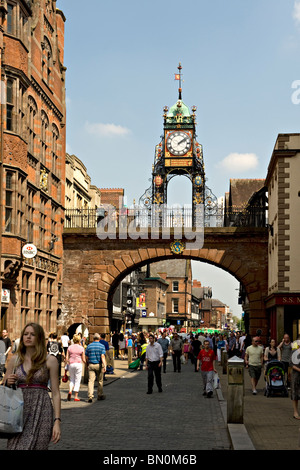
180, 418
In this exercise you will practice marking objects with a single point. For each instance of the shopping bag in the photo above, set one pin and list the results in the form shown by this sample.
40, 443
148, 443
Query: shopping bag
11, 411
216, 381
182, 359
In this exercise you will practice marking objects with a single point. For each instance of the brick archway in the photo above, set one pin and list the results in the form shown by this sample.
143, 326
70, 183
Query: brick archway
93, 269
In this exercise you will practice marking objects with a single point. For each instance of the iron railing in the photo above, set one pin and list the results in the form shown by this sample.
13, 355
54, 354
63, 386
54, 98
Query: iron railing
169, 217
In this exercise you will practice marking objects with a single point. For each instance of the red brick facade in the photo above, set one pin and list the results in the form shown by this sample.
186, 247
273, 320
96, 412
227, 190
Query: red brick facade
33, 157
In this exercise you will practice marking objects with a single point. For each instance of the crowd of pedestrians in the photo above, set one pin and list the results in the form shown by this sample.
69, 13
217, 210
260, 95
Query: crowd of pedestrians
36, 364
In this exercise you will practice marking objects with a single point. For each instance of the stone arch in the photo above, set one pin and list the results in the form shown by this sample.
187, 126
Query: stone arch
102, 264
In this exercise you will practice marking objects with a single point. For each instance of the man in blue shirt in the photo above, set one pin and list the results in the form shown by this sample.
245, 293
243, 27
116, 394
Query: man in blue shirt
96, 362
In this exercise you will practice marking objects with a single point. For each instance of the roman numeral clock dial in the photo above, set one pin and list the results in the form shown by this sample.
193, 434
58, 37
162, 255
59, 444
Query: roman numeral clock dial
179, 143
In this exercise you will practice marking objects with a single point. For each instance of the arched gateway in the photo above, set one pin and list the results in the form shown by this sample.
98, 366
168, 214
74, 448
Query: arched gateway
94, 264
93, 268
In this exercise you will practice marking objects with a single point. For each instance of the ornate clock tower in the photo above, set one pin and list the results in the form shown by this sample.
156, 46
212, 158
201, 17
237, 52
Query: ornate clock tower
178, 153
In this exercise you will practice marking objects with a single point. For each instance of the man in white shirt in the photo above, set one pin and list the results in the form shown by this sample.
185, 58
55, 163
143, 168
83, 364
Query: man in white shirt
154, 358
65, 341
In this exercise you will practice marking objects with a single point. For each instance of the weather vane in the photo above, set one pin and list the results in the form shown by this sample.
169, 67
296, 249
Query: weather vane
178, 76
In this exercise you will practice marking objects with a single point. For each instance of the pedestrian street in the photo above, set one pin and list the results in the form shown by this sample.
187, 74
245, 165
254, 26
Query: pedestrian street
180, 418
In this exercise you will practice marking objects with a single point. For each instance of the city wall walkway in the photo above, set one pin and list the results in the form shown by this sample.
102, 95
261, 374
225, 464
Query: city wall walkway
178, 419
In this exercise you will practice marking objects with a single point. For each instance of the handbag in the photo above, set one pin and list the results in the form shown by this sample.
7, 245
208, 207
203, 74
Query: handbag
11, 411
65, 377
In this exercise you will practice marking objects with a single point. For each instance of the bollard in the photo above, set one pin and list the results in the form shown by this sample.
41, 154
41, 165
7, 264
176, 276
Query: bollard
235, 395
129, 349
224, 361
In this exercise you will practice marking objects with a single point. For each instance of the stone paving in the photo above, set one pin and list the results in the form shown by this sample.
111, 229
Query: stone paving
179, 419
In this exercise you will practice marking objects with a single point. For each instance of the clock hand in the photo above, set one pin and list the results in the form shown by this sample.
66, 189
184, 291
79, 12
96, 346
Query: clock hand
183, 140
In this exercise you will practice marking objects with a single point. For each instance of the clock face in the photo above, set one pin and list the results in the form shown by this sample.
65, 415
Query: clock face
178, 143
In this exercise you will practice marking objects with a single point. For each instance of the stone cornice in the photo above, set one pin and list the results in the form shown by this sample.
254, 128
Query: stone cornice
47, 100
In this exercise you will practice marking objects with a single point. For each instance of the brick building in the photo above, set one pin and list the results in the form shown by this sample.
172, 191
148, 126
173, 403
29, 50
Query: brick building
33, 162
178, 275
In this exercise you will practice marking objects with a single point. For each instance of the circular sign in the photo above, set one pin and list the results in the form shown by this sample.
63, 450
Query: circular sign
29, 250
296, 357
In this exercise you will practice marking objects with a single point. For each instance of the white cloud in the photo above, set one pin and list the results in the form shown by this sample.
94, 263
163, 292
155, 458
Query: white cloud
296, 12
106, 130
239, 162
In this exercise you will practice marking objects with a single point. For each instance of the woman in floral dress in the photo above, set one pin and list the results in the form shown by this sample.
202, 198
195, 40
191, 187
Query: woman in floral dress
30, 369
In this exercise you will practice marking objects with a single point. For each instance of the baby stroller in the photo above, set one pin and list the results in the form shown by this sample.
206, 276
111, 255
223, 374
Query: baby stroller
275, 379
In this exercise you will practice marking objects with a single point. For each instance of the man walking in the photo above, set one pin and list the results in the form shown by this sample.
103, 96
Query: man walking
254, 361
164, 342
196, 346
154, 357
207, 358
176, 348
96, 361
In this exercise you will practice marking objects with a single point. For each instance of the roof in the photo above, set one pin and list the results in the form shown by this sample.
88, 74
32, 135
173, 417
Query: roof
172, 267
241, 190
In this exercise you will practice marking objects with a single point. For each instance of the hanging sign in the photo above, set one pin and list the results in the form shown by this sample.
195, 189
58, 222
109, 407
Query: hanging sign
5, 296
29, 250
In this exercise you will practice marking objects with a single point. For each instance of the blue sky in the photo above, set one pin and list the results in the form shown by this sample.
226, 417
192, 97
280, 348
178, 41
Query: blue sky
240, 60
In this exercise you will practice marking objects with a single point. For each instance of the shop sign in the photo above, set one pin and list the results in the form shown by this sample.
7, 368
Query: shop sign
29, 250
5, 296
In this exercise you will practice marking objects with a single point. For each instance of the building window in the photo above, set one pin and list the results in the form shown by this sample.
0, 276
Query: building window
47, 61
10, 26
53, 224
44, 129
42, 223
55, 137
9, 105
50, 292
38, 297
29, 214
175, 306
8, 202
32, 112
21, 123
25, 297
21, 205
175, 286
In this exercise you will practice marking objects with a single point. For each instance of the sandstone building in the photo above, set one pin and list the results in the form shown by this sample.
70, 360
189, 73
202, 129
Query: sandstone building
282, 182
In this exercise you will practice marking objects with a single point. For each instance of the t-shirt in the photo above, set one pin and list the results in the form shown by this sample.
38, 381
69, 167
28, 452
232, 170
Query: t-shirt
75, 353
206, 358
254, 354
164, 342
65, 341
94, 352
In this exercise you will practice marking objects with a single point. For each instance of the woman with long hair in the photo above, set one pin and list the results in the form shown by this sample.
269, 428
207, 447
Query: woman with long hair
30, 369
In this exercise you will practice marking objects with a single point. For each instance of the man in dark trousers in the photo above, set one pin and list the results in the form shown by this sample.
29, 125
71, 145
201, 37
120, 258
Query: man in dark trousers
176, 348
115, 343
154, 358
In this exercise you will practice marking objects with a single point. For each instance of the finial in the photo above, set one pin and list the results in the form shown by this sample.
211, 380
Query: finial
178, 77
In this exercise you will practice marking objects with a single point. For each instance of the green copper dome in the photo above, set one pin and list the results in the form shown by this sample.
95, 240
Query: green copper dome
179, 108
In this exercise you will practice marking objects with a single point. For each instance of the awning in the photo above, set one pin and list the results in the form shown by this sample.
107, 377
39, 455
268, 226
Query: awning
152, 321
